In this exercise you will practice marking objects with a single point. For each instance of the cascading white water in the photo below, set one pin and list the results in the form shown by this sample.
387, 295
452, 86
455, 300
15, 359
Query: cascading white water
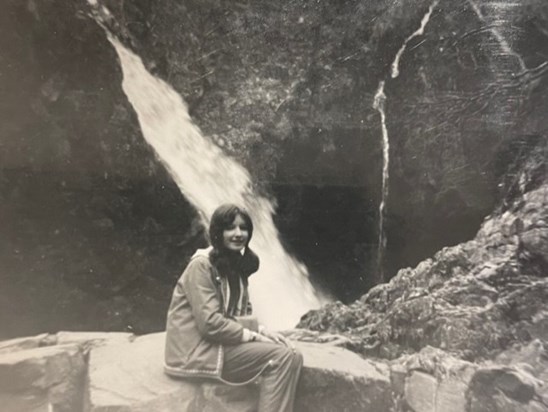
420, 31
379, 105
281, 291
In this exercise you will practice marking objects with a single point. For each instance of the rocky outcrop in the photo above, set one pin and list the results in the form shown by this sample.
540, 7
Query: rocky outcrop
48, 372
474, 299
467, 329
434, 381
99, 372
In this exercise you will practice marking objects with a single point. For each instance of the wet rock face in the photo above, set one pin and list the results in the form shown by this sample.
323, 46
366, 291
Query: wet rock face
288, 89
92, 220
474, 299
88, 214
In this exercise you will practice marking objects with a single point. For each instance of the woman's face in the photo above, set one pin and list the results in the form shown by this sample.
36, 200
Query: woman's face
235, 236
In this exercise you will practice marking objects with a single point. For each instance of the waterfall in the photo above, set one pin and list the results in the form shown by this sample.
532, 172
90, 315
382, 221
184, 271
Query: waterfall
496, 17
281, 291
419, 32
379, 105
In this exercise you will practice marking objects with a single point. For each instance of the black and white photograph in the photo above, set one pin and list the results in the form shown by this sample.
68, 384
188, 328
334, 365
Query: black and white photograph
274, 206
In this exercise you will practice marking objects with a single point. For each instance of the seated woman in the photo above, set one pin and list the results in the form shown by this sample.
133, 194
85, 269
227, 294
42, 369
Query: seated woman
210, 332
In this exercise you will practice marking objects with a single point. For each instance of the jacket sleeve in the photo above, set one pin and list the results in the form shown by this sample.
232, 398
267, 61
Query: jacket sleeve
206, 307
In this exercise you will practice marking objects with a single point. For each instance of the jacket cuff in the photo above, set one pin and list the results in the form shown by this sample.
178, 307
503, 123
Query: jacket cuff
249, 322
247, 336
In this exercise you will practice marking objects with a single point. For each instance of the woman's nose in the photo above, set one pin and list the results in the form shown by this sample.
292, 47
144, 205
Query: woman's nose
238, 231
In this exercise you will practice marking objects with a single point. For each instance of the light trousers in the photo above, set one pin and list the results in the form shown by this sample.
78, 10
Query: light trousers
280, 367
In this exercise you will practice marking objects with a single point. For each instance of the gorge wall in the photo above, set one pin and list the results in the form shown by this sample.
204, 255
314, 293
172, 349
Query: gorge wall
467, 329
288, 89
94, 229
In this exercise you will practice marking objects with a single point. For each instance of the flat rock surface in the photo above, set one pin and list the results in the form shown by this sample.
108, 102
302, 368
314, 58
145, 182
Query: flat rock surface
334, 378
18, 344
341, 361
129, 377
91, 339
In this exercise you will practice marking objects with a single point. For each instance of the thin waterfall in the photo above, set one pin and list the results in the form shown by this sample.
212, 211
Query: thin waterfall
379, 104
281, 291
496, 17
419, 32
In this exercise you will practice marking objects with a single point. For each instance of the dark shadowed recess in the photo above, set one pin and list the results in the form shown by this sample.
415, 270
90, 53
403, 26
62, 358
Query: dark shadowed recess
328, 228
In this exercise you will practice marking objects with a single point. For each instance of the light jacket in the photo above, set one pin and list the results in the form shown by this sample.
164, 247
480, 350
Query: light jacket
197, 326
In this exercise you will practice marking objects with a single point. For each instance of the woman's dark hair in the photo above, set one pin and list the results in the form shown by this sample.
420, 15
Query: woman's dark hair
221, 257
222, 219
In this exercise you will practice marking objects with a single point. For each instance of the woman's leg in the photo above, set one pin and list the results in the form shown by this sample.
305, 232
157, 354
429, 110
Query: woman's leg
244, 361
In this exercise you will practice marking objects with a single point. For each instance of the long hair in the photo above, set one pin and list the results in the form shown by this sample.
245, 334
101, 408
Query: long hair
224, 259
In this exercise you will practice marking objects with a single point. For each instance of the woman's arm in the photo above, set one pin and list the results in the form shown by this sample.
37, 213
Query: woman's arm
206, 307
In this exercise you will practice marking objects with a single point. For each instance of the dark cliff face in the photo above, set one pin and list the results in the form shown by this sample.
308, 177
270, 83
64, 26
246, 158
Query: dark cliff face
474, 300
288, 90
88, 213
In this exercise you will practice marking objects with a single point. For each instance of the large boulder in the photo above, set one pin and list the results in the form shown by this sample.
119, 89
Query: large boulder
43, 379
48, 372
336, 379
129, 377
118, 372
532, 361
433, 380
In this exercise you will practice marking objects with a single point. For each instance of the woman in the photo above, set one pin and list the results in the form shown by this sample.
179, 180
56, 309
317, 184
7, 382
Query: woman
210, 332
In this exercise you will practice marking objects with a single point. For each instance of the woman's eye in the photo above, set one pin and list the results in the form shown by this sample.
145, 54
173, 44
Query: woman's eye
242, 228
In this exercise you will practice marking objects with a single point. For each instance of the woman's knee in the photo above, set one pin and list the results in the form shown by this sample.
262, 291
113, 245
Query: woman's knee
286, 355
297, 359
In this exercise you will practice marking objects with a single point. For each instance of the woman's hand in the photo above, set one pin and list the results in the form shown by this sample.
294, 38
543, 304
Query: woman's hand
276, 338
257, 337
251, 336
